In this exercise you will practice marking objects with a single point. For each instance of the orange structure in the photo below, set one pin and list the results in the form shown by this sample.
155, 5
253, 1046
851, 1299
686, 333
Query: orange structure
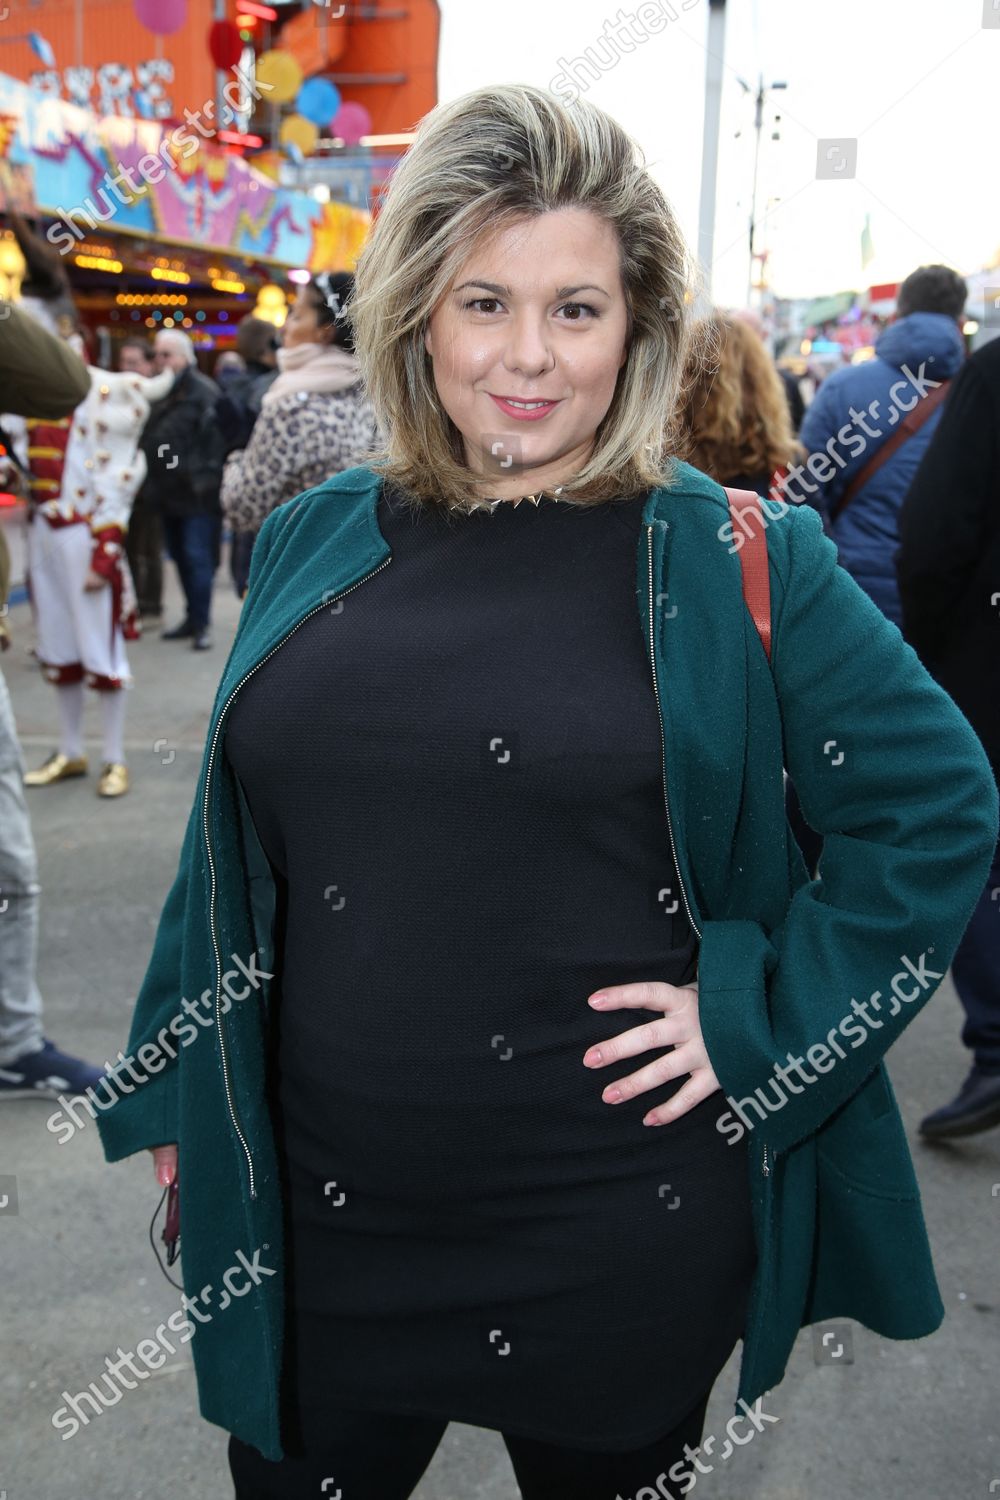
382, 55
106, 60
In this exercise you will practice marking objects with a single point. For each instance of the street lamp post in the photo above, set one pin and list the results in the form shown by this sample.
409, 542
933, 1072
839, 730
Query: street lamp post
758, 121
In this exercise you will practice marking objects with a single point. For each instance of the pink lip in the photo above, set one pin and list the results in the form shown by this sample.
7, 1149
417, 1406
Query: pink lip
518, 413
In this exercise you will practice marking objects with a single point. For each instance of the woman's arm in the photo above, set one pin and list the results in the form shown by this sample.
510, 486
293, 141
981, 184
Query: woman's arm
40, 376
269, 469
892, 775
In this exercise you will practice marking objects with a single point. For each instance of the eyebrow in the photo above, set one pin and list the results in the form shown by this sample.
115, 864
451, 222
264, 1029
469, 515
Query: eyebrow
505, 291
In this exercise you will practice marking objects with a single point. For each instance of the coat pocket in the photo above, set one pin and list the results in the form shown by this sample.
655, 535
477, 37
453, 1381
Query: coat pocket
864, 1143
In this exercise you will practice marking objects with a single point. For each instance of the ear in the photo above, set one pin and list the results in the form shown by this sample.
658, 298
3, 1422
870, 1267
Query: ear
428, 340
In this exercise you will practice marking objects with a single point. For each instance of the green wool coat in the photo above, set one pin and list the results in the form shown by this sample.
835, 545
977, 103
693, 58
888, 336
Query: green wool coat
887, 770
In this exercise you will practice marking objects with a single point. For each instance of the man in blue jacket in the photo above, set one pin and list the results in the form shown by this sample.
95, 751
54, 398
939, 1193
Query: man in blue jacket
857, 412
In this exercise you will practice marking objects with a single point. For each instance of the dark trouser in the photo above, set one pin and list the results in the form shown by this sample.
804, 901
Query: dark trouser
975, 970
193, 543
144, 549
371, 1456
239, 559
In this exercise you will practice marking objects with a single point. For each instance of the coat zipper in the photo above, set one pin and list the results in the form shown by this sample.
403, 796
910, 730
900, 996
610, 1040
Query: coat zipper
765, 1166
211, 862
663, 742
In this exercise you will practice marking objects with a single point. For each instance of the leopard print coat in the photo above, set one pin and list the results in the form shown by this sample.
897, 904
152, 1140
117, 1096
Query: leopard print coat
297, 441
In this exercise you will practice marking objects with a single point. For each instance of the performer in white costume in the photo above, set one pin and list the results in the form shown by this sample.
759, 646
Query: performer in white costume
80, 584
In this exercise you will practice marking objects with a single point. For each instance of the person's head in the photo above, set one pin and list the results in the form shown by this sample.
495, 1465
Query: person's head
318, 315
735, 419
256, 341
522, 251
135, 357
173, 350
932, 289
752, 319
228, 364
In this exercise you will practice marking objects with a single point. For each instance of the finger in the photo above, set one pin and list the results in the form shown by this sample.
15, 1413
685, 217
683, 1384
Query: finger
671, 1065
165, 1164
646, 994
665, 1031
699, 1086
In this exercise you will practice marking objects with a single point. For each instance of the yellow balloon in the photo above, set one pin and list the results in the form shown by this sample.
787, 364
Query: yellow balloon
279, 75
296, 130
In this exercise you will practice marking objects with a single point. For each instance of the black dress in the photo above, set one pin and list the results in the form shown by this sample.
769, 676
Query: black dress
455, 772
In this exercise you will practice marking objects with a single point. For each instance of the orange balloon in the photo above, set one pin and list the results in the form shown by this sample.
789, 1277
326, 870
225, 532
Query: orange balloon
279, 76
296, 130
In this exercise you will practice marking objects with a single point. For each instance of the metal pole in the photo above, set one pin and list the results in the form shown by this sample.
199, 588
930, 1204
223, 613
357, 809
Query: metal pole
219, 14
710, 139
758, 120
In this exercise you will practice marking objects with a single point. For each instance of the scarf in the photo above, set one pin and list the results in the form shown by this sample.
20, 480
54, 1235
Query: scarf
319, 368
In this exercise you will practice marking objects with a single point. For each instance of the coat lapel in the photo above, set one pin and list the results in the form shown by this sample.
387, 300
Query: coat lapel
702, 676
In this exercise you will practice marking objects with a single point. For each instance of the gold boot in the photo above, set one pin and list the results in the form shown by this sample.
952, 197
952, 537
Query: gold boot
58, 767
114, 780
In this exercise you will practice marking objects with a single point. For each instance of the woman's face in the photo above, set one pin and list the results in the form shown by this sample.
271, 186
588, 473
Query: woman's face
302, 325
536, 314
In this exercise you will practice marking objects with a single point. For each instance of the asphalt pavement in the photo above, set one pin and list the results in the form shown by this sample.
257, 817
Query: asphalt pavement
858, 1415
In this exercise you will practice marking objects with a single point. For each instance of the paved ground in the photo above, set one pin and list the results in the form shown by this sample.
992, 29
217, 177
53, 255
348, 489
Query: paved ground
914, 1421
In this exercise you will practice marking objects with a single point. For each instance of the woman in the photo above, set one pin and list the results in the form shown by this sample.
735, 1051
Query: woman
736, 424
314, 419
472, 856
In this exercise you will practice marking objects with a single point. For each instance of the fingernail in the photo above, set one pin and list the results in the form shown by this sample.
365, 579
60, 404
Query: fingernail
613, 1096
164, 1174
598, 1000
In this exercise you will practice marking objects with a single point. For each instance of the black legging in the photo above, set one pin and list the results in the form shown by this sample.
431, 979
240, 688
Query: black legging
371, 1456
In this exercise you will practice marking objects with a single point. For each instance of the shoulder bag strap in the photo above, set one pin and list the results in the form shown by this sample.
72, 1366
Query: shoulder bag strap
910, 424
753, 560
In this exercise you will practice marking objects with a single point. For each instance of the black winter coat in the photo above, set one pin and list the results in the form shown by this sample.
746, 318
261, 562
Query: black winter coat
948, 561
184, 449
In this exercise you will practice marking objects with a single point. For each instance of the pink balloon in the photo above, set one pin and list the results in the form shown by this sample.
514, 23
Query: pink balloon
351, 122
163, 17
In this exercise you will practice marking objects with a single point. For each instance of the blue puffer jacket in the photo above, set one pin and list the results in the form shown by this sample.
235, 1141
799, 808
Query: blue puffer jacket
926, 346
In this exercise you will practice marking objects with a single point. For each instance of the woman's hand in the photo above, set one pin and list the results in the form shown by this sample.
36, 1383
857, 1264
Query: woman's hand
679, 1028
93, 582
164, 1164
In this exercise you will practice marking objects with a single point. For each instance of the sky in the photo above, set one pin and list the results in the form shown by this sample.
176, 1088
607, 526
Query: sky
913, 83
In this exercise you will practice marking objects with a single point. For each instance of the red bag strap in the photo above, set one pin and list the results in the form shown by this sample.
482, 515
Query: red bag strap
753, 560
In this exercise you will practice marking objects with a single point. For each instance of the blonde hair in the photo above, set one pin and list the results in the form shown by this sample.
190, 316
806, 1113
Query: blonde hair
735, 420
483, 162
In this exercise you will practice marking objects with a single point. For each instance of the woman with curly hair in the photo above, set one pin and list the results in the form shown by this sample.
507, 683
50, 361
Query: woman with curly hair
735, 423
489, 881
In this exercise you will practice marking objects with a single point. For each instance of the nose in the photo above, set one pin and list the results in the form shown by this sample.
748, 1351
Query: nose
529, 347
